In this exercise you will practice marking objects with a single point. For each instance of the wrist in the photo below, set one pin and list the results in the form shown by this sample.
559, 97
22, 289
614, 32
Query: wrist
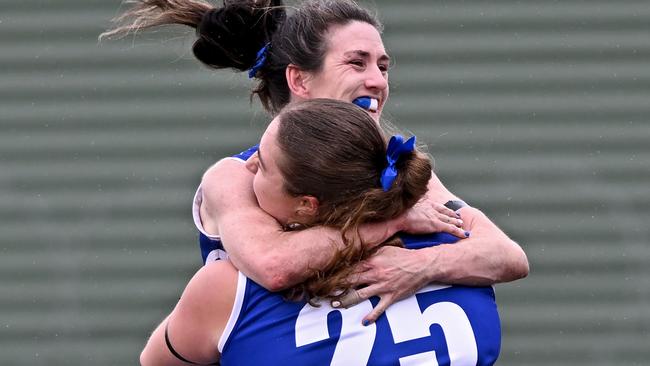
373, 234
433, 271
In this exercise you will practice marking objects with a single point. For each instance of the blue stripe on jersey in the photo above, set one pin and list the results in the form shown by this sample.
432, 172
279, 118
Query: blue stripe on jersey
246, 154
440, 325
206, 244
426, 240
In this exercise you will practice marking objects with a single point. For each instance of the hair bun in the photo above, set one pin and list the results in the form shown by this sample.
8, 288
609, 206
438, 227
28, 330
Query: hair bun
231, 36
209, 20
414, 174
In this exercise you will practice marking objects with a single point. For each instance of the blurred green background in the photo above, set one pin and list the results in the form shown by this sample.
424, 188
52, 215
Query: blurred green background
536, 112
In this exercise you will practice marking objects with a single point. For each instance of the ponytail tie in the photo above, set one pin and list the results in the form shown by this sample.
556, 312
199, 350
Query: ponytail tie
396, 147
260, 59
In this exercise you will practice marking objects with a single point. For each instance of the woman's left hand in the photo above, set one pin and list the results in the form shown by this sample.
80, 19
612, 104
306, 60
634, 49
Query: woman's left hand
392, 273
431, 217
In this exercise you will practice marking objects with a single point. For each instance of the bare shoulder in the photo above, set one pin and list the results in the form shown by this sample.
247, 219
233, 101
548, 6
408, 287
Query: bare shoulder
227, 187
213, 283
223, 169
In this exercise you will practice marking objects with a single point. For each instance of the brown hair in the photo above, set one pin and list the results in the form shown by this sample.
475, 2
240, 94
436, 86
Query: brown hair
230, 36
336, 152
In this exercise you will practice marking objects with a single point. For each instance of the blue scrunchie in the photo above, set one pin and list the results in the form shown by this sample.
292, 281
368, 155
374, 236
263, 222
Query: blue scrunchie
260, 59
396, 147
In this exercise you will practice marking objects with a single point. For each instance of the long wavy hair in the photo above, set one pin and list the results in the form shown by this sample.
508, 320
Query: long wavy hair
336, 152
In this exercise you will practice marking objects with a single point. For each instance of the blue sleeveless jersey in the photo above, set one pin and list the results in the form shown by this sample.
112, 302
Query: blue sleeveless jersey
440, 325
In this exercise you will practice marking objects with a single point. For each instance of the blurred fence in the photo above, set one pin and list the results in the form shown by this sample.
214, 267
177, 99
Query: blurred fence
536, 112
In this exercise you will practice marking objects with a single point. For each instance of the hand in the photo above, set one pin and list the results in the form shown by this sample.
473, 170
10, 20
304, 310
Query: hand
392, 273
431, 217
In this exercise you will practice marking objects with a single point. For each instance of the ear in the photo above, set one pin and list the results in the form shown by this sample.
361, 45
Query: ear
307, 207
296, 79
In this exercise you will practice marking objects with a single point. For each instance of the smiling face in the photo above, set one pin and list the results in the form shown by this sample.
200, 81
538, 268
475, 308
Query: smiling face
355, 65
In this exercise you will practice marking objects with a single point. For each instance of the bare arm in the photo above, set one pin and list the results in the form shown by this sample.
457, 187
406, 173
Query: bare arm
198, 320
257, 244
488, 256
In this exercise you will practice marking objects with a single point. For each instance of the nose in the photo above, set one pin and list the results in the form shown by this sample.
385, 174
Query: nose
251, 164
376, 79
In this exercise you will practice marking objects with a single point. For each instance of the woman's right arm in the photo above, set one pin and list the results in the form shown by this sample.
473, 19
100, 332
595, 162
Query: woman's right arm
260, 248
193, 329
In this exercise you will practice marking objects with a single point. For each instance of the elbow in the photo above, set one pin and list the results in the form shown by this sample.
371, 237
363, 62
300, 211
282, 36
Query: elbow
277, 277
275, 274
524, 267
517, 266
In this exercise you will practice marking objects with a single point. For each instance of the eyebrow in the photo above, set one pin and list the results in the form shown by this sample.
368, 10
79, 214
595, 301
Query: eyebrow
365, 54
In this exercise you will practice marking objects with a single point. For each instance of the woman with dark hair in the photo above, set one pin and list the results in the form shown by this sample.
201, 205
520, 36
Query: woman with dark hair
326, 162
318, 49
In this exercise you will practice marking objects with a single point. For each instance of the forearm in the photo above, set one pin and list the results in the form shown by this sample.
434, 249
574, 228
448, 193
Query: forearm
487, 257
277, 259
255, 241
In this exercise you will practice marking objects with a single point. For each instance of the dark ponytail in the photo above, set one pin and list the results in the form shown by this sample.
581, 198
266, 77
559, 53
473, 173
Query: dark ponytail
230, 36
227, 37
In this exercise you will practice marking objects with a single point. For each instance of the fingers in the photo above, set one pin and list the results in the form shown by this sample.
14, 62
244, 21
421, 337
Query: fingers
372, 317
354, 297
361, 267
447, 215
455, 231
349, 299
362, 278
442, 209
362, 274
450, 220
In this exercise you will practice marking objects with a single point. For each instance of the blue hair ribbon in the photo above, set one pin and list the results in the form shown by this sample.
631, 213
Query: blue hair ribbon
396, 147
260, 59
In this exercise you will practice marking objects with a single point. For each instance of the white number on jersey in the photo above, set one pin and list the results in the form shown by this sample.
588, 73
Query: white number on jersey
355, 343
406, 323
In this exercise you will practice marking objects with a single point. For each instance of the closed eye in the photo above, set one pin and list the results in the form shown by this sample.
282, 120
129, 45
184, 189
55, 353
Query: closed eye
358, 63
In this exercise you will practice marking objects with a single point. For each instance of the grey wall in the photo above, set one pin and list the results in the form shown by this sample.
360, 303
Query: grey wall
536, 112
